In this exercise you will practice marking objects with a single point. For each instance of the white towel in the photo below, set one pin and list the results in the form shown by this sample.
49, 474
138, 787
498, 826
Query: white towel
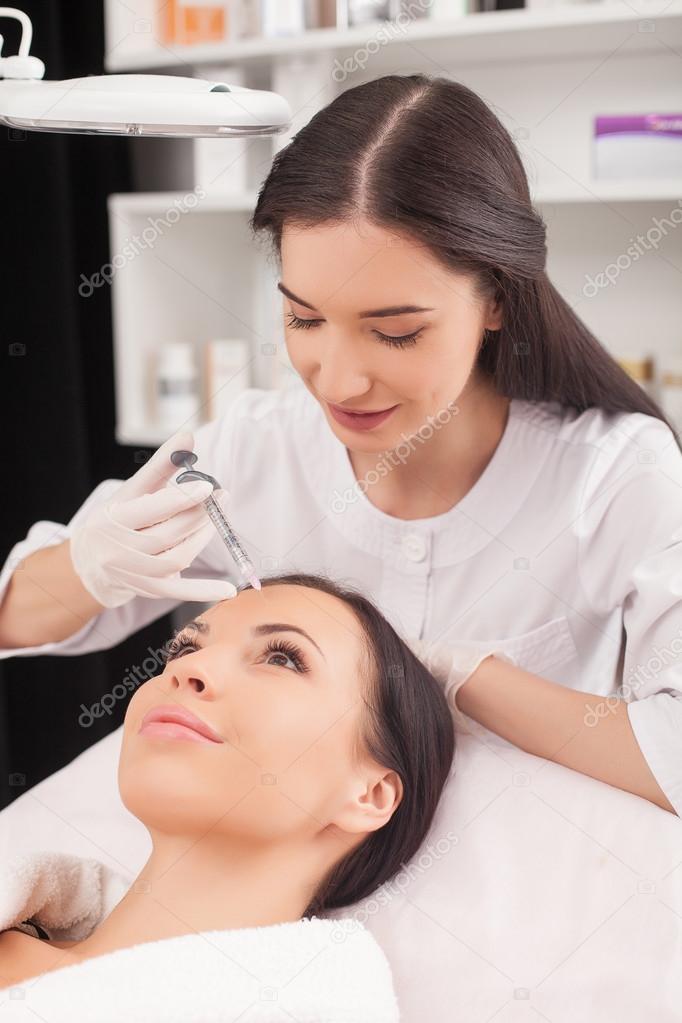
310, 971
67, 895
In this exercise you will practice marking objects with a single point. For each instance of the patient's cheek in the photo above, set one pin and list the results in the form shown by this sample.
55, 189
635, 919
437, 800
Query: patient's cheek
142, 699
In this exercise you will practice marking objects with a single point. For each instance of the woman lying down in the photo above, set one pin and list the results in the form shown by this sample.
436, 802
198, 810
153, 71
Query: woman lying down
317, 749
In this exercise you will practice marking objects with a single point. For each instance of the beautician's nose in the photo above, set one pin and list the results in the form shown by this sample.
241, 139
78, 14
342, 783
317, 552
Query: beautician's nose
341, 375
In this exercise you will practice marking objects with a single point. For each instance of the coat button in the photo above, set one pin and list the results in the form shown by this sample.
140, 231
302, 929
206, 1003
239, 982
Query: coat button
414, 547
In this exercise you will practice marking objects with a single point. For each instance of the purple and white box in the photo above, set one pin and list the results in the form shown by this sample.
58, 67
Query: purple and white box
638, 146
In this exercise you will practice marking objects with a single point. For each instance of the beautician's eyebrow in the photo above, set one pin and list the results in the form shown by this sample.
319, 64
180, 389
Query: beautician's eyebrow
395, 310
266, 629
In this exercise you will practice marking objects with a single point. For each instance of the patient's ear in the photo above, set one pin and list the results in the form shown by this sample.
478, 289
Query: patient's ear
371, 802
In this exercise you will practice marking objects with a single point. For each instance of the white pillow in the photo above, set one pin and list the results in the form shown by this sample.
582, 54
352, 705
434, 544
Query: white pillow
538, 888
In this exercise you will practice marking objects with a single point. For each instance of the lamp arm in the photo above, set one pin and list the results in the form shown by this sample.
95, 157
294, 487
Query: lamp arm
21, 65
26, 27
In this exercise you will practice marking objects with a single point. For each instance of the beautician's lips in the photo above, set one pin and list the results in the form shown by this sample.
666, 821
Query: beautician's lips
360, 420
174, 722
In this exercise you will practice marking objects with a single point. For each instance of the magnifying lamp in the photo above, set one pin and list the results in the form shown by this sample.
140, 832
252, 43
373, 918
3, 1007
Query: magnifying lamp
165, 106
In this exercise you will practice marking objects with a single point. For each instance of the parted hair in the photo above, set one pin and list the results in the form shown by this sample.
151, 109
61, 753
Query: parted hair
425, 156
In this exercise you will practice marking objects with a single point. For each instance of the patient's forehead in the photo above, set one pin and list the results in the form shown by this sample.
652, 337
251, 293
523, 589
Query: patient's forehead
329, 620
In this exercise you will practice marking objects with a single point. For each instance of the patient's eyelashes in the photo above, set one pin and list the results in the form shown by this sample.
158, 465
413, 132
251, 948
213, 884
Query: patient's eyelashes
283, 649
178, 646
289, 651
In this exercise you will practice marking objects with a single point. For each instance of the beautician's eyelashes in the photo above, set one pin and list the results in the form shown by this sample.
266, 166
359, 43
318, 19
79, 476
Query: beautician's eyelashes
296, 321
404, 341
180, 645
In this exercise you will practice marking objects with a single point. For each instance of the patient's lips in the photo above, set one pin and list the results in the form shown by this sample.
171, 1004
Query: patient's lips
171, 721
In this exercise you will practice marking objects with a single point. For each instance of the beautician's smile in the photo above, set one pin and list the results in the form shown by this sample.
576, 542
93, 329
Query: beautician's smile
174, 722
360, 420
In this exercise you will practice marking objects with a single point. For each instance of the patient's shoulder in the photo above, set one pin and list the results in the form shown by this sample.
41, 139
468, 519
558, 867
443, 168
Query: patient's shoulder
23, 956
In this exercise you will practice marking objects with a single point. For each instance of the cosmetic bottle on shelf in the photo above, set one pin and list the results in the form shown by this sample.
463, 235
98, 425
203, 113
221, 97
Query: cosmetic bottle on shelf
441, 10
245, 17
283, 17
365, 12
177, 392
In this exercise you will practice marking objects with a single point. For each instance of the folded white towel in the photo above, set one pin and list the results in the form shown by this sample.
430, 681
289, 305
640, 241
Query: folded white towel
67, 895
311, 970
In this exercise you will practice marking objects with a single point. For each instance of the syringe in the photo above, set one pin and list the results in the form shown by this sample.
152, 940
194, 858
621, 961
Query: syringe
215, 512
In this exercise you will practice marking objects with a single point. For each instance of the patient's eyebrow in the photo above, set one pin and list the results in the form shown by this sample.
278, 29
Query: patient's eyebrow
266, 629
195, 623
269, 627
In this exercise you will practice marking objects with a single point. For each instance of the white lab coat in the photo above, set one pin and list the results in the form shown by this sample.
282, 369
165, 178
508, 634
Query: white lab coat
566, 552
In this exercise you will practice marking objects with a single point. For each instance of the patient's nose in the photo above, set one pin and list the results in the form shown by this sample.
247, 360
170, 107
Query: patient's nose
192, 681
190, 673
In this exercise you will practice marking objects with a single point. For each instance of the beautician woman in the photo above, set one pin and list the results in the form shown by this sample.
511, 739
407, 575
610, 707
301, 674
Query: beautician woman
463, 450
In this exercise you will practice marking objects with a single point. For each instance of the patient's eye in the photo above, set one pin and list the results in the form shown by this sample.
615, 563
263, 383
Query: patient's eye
279, 652
286, 651
179, 645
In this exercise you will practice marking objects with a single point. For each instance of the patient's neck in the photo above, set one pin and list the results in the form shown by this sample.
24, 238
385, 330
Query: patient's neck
193, 884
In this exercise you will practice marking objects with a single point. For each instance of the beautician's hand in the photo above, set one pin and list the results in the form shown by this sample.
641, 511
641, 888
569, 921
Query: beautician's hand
151, 528
453, 664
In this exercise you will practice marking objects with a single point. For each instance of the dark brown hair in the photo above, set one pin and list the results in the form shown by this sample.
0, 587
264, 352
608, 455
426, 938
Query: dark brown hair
407, 727
426, 156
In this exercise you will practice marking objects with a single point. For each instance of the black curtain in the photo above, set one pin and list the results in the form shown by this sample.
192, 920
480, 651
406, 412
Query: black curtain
58, 402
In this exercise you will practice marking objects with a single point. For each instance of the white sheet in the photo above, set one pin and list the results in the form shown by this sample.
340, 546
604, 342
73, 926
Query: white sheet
538, 888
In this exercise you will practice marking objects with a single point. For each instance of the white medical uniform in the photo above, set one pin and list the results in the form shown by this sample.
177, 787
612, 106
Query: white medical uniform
566, 552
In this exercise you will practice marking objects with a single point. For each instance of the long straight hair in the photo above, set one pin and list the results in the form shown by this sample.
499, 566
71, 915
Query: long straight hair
426, 156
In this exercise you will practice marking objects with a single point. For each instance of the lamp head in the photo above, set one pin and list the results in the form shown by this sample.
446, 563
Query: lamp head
165, 106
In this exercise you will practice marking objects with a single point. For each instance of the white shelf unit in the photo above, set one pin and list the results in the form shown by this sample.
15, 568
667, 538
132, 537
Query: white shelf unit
195, 279
546, 74
580, 28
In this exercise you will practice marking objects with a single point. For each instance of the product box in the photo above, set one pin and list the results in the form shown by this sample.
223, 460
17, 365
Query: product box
637, 146
188, 22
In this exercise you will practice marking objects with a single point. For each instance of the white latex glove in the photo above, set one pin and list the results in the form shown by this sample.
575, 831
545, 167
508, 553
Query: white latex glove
453, 664
137, 542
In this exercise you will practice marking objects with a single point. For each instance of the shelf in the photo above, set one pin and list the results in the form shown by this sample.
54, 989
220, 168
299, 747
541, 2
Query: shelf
544, 73
483, 37
144, 434
637, 190
190, 277
652, 190
159, 202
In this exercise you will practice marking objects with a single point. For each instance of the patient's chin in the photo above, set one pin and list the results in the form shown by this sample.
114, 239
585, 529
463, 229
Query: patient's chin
160, 805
